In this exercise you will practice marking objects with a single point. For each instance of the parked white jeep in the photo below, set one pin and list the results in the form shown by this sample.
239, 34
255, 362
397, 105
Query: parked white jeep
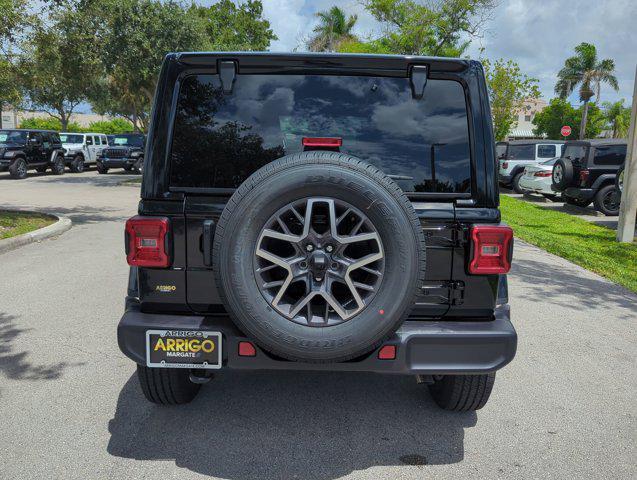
82, 149
514, 155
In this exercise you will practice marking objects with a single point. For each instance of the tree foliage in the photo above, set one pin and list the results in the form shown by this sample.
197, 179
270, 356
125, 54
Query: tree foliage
117, 125
560, 112
49, 123
618, 118
508, 88
333, 30
425, 28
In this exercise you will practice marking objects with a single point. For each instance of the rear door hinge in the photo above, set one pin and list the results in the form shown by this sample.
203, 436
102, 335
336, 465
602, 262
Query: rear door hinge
448, 292
456, 293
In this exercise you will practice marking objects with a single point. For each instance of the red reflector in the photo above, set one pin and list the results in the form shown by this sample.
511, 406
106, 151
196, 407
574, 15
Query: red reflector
388, 352
542, 174
246, 349
491, 248
583, 176
505, 165
322, 142
146, 242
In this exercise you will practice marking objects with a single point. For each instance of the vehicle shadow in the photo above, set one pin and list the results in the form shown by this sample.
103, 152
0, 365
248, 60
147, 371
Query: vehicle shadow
15, 365
592, 293
307, 425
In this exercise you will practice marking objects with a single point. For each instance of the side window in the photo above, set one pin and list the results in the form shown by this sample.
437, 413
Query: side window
96, 140
610, 155
35, 137
546, 151
55, 138
46, 140
88, 140
104, 141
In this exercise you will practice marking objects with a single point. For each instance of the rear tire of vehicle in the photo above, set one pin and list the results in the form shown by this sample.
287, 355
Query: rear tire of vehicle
128, 168
619, 179
102, 170
515, 183
18, 170
57, 166
563, 177
462, 393
139, 165
330, 176
577, 202
606, 200
77, 166
167, 386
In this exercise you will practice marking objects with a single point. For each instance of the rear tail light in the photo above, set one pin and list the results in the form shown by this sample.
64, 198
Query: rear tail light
330, 142
148, 242
542, 174
583, 176
491, 249
505, 165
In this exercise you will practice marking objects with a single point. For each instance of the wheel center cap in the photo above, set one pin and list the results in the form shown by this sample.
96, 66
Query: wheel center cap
318, 262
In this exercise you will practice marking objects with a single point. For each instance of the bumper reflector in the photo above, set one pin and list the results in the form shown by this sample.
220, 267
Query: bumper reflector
246, 349
388, 352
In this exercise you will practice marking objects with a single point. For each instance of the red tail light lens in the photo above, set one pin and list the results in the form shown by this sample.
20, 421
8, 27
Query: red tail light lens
542, 174
583, 176
492, 248
505, 165
147, 243
331, 142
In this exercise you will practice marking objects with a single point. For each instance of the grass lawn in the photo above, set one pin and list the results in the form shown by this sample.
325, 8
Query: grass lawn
586, 244
17, 223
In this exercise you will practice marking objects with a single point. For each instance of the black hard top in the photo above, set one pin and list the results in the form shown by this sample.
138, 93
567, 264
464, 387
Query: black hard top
28, 130
266, 60
593, 142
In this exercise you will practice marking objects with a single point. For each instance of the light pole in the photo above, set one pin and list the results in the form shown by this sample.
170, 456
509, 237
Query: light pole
628, 207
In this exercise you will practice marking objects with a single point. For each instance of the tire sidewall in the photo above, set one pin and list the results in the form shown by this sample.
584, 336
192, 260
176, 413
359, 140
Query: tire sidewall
275, 332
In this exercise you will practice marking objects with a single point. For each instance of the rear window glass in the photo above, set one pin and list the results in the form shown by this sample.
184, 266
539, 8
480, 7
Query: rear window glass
521, 152
546, 151
220, 139
610, 155
500, 150
575, 153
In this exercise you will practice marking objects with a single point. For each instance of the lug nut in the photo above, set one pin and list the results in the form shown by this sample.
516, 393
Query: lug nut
329, 248
309, 247
303, 264
334, 266
318, 279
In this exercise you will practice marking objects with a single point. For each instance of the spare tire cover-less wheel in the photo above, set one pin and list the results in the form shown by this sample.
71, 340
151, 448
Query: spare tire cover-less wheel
562, 173
319, 256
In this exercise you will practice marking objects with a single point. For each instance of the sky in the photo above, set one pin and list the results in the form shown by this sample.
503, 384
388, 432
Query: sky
538, 34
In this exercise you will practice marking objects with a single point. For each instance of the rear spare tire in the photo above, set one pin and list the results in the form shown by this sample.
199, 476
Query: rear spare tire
319, 257
562, 174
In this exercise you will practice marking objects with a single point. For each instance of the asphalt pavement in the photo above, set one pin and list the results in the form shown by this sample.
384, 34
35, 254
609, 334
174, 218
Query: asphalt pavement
71, 407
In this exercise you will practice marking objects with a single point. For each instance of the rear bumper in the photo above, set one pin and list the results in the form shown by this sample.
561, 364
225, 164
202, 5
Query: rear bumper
579, 193
536, 185
117, 162
423, 347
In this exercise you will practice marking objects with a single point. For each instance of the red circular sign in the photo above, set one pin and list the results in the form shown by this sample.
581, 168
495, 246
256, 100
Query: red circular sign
565, 131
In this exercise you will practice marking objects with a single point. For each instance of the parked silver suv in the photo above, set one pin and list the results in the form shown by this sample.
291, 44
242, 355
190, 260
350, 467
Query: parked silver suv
514, 155
82, 149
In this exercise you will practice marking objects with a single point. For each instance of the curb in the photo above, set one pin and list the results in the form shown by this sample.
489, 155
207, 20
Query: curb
53, 230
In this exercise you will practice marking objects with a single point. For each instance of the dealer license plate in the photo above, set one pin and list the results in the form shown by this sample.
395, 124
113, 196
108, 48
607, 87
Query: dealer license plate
183, 349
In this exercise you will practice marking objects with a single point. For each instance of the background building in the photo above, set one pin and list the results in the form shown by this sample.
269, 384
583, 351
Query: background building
526, 114
13, 118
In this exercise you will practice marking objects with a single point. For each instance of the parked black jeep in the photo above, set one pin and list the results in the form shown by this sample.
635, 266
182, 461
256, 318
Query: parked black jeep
124, 151
23, 150
319, 212
586, 173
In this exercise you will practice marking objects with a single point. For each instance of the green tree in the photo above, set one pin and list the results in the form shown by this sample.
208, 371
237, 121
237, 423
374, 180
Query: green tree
425, 28
618, 118
50, 124
586, 71
334, 29
560, 112
508, 88
58, 67
235, 27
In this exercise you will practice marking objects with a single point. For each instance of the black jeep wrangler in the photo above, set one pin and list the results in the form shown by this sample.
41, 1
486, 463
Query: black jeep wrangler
586, 172
124, 151
319, 212
23, 150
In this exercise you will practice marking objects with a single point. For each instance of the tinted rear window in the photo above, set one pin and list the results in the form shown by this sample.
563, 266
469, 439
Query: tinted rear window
576, 153
546, 151
521, 152
220, 139
610, 155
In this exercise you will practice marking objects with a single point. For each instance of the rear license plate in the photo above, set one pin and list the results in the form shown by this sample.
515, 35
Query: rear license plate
183, 349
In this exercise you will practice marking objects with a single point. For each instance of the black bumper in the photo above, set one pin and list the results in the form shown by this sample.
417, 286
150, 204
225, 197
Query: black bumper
423, 347
584, 194
117, 162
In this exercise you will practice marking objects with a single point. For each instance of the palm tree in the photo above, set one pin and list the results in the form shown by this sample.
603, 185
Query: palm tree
618, 118
334, 28
585, 70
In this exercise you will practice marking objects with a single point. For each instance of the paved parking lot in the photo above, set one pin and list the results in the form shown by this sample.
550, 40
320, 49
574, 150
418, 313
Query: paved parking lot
71, 407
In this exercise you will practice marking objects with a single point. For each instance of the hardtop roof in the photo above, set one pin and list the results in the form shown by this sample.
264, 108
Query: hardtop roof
598, 141
531, 141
